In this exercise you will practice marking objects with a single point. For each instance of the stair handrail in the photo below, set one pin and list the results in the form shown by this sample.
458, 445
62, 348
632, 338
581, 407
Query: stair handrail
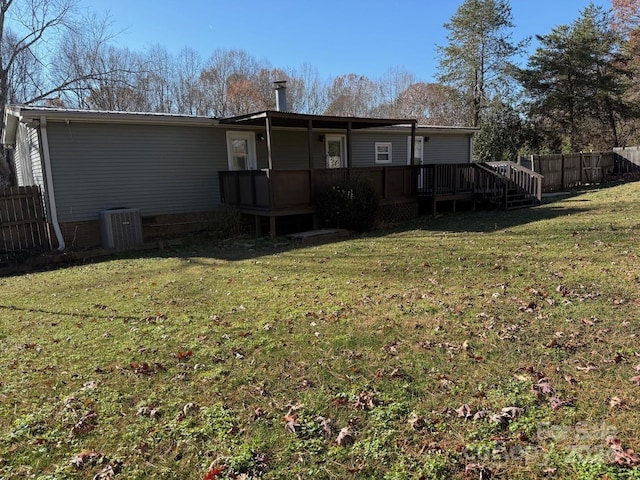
517, 174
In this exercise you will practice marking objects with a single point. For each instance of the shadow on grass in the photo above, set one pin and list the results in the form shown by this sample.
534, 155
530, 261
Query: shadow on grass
481, 221
243, 248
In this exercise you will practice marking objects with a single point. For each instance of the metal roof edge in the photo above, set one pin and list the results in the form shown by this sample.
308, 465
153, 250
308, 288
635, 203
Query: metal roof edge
106, 116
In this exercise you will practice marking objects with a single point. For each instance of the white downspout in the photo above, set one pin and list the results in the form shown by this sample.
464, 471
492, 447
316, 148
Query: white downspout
49, 176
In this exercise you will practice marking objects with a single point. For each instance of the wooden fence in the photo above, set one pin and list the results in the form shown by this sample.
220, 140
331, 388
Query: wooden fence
626, 159
23, 226
562, 171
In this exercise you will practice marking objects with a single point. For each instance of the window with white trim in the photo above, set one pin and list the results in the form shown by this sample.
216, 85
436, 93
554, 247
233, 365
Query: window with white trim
241, 150
383, 152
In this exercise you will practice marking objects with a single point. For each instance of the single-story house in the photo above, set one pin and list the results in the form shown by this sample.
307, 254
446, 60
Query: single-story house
176, 171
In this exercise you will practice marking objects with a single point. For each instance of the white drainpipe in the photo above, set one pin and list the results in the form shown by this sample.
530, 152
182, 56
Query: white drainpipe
49, 176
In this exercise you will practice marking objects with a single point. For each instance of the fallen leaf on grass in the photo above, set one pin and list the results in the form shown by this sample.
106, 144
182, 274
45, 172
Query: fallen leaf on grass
587, 367
543, 388
85, 457
616, 402
143, 368
183, 355
464, 411
477, 471
417, 422
345, 439
366, 401
557, 403
214, 473
86, 423
624, 457
149, 411
108, 472
325, 423
636, 380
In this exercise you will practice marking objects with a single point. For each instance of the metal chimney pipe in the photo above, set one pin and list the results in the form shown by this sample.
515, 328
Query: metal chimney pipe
281, 95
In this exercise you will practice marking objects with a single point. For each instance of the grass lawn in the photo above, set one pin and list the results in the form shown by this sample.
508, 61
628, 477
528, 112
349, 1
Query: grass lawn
501, 344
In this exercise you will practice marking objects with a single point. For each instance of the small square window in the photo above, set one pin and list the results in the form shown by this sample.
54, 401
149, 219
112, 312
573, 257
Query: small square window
383, 152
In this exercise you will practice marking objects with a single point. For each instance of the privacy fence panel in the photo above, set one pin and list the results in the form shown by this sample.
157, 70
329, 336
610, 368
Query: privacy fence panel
23, 225
562, 171
627, 159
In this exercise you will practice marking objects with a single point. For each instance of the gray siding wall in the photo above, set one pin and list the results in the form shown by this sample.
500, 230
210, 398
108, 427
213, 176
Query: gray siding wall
159, 169
364, 149
447, 149
290, 149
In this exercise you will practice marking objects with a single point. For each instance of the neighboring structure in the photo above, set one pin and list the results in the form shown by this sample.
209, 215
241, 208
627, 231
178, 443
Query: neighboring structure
172, 168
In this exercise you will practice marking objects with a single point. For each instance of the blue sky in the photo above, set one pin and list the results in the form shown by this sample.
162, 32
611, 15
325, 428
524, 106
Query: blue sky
366, 37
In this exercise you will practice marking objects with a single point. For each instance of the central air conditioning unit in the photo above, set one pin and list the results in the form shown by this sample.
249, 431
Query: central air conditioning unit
121, 228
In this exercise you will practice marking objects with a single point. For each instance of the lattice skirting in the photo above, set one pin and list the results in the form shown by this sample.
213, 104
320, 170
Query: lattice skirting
398, 211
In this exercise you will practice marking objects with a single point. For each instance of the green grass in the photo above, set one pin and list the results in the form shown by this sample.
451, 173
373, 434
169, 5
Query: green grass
246, 359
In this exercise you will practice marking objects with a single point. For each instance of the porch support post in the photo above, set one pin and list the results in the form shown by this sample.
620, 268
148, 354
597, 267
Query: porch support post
269, 142
310, 143
312, 179
270, 179
413, 143
349, 149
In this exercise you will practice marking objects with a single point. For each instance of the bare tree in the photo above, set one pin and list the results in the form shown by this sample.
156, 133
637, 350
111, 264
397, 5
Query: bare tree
224, 67
188, 91
351, 95
393, 82
29, 33
433, 104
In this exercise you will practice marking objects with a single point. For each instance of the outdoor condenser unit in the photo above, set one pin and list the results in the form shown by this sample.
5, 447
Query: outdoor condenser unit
121, 228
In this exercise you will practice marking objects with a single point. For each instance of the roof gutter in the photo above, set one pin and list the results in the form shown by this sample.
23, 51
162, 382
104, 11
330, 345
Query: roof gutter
44, 138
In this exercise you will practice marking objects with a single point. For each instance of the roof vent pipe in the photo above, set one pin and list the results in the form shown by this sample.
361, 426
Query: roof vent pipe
281, 95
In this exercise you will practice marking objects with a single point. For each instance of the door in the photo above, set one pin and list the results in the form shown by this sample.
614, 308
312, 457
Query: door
241, 150
418, 160
335, 151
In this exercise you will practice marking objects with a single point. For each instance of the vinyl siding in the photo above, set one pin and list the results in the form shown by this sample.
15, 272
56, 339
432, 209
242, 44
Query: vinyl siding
27, 157
364, 149
290, 149
158, 169
447, 149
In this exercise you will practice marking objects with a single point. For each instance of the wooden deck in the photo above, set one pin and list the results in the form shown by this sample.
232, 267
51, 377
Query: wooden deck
275, 193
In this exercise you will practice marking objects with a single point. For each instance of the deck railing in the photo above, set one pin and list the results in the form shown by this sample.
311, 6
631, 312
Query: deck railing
291, 189
527, 181
295, 190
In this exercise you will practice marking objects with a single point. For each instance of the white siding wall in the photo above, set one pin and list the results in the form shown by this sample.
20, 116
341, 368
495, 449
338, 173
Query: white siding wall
27, 157
158, 169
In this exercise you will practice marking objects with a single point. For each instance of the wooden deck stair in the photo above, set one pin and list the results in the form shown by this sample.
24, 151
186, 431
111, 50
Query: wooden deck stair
514, 186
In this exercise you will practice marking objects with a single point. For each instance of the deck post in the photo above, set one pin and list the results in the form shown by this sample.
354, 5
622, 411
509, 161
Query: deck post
312, 179
349, 150
272, 226
257, 223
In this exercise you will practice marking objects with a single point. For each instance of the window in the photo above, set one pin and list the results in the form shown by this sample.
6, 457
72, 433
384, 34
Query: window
383, 152
419, 158
335, 151
241, 150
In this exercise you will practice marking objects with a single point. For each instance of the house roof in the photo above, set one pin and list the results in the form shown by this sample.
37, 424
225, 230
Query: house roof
15, 113
301, 120
107, 116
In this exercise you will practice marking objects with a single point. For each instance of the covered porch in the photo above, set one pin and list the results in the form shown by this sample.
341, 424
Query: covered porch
289, 181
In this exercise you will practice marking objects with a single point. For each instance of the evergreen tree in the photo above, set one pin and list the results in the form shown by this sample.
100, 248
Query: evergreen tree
476, 60
575, 84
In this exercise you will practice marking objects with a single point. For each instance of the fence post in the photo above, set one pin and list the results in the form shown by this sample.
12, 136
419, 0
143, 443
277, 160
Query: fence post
562, 171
